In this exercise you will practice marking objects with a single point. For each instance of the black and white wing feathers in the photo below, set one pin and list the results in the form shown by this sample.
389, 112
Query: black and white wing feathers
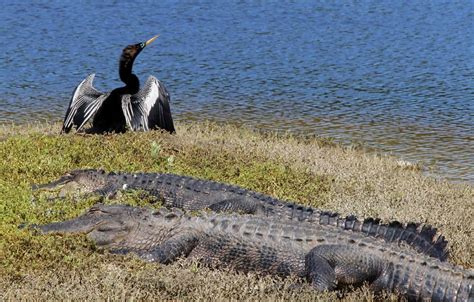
85, 102
149, 108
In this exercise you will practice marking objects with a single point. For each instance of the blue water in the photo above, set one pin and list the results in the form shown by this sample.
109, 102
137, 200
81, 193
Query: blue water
397, 76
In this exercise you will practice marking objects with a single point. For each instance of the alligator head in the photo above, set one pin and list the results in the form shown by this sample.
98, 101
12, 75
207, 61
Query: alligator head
120, 227
77, 181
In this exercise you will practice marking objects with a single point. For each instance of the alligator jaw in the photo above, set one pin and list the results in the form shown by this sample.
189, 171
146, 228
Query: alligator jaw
75, 182
54, 185
65, 186
105, 225
83, 224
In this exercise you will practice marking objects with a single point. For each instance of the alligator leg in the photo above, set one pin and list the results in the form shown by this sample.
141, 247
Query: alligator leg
109, 191
171, 249
320, 273
328, 266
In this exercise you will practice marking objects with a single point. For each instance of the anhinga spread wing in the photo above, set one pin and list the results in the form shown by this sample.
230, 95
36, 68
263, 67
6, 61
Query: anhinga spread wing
149, 108
85, 102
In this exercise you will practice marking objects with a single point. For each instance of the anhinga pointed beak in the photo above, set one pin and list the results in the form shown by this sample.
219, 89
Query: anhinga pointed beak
151, 40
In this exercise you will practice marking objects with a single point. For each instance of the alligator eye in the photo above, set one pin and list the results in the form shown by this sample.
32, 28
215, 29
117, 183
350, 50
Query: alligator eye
97, 208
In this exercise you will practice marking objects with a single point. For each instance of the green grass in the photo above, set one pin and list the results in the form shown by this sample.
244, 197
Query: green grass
308, 170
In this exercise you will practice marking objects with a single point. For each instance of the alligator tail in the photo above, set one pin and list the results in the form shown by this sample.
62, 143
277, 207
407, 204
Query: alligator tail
423, 238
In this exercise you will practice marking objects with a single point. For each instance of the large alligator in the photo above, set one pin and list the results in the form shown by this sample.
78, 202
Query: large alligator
328, 257
195, 194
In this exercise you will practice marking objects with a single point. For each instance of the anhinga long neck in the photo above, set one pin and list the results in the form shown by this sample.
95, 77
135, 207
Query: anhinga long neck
125, 71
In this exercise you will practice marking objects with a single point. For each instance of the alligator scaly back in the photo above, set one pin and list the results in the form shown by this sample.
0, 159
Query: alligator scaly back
195, 194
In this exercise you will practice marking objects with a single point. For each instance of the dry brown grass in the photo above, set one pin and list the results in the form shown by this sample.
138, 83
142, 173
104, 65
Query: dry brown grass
311, 171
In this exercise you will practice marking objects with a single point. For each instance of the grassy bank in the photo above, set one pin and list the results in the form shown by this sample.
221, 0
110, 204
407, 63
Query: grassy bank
311, 171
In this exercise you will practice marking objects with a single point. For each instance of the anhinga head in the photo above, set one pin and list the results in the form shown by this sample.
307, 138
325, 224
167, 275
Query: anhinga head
128, 56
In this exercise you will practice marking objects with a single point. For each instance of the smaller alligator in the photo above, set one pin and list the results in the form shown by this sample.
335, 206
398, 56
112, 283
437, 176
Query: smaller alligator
195, 194
329, 258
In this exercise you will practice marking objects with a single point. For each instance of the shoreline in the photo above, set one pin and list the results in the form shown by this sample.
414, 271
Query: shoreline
312, 171
429, 165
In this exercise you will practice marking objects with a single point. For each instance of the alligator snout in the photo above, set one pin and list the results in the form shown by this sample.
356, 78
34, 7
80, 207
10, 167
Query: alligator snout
54, 184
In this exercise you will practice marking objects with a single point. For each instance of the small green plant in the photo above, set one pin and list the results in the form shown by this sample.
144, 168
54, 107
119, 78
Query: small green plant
155, 150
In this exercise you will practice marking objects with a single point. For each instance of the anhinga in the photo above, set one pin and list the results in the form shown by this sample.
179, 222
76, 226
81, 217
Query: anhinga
128, 106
